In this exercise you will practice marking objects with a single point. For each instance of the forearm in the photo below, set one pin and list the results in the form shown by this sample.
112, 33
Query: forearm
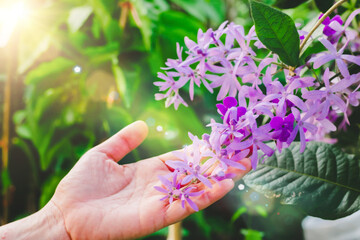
45, 224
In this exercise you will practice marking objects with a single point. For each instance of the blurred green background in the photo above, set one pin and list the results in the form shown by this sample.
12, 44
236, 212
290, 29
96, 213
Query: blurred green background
80, 70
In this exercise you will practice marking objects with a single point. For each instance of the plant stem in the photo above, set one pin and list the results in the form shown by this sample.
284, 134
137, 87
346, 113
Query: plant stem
328, 12
5, 141
174, 231
11, 52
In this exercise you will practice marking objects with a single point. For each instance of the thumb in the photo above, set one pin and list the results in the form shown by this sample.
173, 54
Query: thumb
123, 142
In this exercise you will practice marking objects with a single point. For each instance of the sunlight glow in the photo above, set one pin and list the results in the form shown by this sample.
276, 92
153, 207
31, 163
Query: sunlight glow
10, 16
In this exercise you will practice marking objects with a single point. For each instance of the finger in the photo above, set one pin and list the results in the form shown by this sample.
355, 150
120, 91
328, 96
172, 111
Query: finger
167, 156
246, 162
176, 213
123, 142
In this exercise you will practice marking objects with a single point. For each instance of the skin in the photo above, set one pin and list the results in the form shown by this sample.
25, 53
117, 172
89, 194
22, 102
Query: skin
100, 199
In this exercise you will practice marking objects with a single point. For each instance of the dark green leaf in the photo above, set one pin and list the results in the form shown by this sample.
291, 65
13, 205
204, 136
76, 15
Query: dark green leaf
200, 219
324, 5
48, 188
26, 149
315, 47
277, 32
5, 180
323, 181
285, 4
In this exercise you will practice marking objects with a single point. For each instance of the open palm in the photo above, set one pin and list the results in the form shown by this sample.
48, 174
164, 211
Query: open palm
100, 199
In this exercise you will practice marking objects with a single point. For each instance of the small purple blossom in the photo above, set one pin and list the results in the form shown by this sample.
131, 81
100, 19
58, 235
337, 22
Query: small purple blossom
282, 127
338, 56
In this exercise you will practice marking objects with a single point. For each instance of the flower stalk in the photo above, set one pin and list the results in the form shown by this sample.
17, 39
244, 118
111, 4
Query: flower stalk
318, 23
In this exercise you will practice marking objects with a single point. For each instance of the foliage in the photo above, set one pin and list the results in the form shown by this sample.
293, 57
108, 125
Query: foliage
87, 75
323, 181
88, 68
277, 32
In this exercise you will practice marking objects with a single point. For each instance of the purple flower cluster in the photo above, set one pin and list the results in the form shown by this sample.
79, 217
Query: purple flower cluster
257, 108
335, 28
198, 163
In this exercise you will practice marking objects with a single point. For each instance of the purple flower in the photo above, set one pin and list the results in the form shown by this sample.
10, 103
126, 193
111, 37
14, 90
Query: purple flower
171, 188
282, 127
341, 30
328, 31
338, 56
228, 159
172, 88
302, 126
185, 197
297, 82
230, 113
228, 82
260, 135
191, 163
173, 191
328, 96
285, 97
253, 73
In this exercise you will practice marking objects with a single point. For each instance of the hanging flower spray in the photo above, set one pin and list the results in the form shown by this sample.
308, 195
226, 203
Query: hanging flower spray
257, 108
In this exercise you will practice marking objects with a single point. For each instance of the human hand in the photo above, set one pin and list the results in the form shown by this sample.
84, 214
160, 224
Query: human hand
100, 199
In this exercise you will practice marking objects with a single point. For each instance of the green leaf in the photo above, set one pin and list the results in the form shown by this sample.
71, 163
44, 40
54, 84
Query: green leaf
200, 219
323, 181
213, 10
238, 213
101, 54
78, 16
285, 4
103, 11
120, 82
261, 210
5, 180
25, 147
23, 131
251, 234
277, 32
324, 5
49, 70
49, 187
172, 28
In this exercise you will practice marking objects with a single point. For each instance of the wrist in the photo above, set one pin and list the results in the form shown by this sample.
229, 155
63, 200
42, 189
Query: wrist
48, 223
54, 221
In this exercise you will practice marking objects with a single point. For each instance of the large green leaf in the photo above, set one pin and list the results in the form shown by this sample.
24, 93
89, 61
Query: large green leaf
323, 181
277, 32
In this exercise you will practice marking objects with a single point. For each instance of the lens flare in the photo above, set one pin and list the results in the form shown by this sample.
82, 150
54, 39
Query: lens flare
10, 16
